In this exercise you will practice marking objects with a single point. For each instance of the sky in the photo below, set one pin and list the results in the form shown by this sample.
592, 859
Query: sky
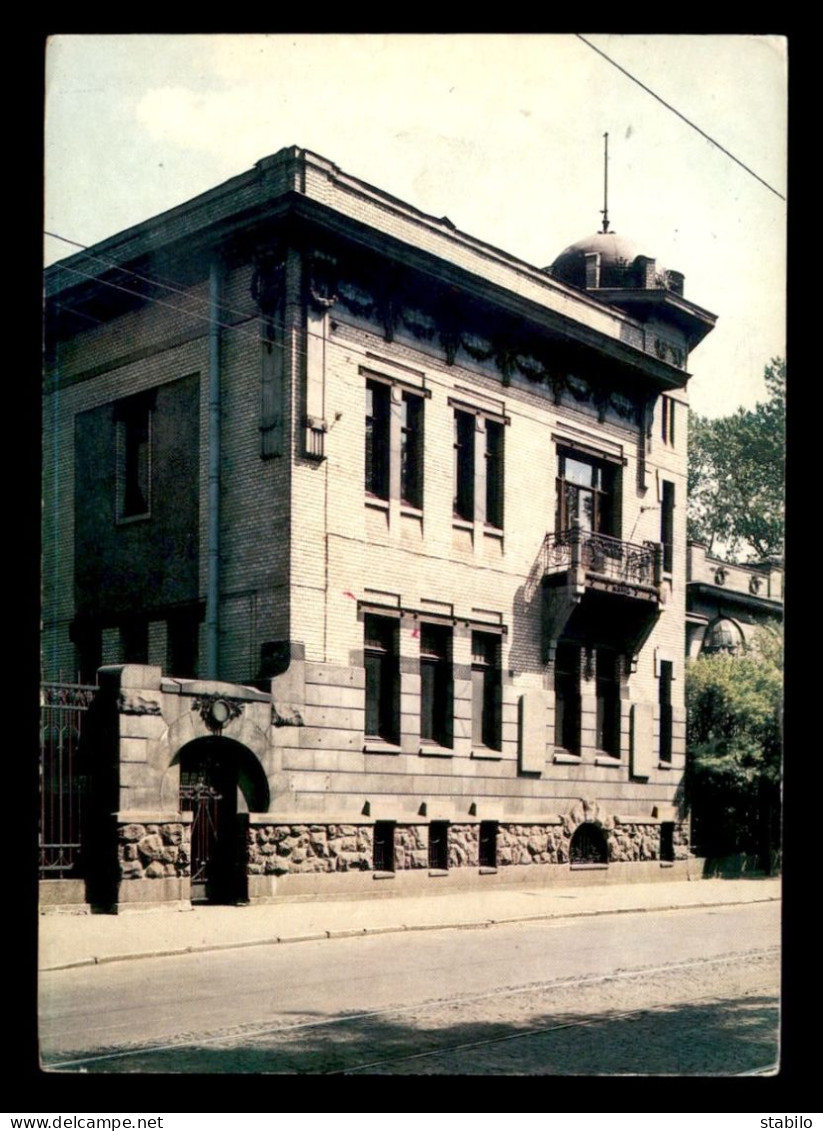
501, 133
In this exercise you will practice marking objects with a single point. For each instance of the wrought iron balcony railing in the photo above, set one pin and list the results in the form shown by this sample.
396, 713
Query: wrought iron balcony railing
623, 562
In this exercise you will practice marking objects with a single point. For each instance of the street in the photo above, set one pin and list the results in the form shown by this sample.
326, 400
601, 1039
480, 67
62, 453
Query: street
675, 992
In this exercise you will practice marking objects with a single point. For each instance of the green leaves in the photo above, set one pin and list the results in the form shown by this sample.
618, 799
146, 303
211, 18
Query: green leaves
736, 476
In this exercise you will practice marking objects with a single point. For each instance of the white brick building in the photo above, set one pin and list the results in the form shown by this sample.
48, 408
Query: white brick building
376, 535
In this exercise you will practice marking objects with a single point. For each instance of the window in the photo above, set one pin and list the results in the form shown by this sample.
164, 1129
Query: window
394, 443
667, 525
378, 417
607, 682
133, 418
436, 688
411, 451
486, 690
183, 631
588, 845
667, 841
382, 678
134, 641
586, 490
439, 846
665, 697
488, 844
464, 465
479, 466
383, 846
494, 474
567, 698
667, 411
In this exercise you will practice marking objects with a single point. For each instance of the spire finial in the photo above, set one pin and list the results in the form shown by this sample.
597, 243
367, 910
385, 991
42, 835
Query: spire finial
605, 209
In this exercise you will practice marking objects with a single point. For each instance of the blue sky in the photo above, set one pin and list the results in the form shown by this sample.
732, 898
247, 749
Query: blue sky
501, 133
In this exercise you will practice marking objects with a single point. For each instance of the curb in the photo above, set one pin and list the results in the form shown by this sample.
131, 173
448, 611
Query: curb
362, 932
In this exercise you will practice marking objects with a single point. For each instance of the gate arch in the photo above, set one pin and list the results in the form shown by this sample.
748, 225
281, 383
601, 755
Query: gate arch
588, 845
221, 781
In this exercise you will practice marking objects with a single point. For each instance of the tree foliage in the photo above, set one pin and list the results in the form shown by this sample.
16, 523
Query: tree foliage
734, 744
736, 476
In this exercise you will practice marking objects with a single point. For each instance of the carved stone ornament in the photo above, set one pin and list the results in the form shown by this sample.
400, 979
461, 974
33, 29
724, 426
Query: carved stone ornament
720, 576
217, 710
356, 299
322, 282
419, 323
132, 703
285, 715
755, 585
268, 284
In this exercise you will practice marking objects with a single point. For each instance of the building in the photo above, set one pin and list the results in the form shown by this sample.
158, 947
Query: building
372, 538
727, 603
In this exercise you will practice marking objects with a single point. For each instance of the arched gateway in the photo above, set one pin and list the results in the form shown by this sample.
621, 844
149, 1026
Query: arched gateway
221, 781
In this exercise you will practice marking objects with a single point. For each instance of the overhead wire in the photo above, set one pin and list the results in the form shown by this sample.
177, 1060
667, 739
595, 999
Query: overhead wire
683, 117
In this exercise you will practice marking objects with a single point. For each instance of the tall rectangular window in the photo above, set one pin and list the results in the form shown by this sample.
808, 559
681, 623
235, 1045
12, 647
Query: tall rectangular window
494, 474
586, 494
567, 697
607, 681
464, 465
665, 697
378, 439
436, 687
383, 846
382, 678
488, 844
667, 411
133, 417
439, 846
667, 525
411, 451
134, 641
486, 691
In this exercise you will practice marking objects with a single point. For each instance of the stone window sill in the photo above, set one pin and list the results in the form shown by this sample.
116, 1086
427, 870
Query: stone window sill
462, 524
665, 766
383, 875
493, 531
588, 867
486, 754
667, 863
432, 750
438, 872
410, 511
607, 760
128, 519
378, 504
488, 871
566, 758
378, 746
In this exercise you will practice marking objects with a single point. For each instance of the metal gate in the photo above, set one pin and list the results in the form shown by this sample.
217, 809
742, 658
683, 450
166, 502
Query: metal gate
63, 782
208, 790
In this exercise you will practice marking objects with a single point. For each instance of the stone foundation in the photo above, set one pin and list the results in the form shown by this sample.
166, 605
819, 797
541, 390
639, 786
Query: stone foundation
279, 850
154, 851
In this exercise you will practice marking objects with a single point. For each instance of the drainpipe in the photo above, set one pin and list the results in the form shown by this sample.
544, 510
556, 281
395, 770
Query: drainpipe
213, 581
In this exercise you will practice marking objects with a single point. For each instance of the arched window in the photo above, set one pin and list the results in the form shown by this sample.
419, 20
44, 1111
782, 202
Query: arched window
588, 845
723, 636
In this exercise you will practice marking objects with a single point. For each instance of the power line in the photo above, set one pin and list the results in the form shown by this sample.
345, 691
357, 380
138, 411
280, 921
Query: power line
683, 117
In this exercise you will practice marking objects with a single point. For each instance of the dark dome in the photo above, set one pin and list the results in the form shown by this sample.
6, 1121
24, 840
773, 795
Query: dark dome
616, 255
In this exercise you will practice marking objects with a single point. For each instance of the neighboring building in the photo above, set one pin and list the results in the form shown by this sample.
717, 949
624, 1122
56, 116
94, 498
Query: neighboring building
727, 603
377, 537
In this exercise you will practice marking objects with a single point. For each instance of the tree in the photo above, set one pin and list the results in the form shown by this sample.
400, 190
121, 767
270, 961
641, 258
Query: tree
734, 746
737, 475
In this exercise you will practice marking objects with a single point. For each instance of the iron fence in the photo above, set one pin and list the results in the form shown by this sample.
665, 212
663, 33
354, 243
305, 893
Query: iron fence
63, 782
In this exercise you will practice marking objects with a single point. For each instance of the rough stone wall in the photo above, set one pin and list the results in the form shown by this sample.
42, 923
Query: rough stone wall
274, 850
154, 851
634, 842
464, 846
411, 847
533, 844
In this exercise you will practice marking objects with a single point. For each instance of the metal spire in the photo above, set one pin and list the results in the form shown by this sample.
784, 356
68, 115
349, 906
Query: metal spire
604, 211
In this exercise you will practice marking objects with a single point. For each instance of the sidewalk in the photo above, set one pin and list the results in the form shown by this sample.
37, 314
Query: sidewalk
80, 940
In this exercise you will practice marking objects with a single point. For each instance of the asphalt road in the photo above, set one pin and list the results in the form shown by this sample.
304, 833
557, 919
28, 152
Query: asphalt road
674, 993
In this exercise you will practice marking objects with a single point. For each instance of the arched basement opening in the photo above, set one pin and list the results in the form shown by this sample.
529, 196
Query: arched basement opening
588, 845
221, 782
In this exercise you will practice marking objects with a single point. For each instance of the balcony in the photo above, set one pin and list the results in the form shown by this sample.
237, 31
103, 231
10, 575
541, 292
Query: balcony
600, 588
632, 569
